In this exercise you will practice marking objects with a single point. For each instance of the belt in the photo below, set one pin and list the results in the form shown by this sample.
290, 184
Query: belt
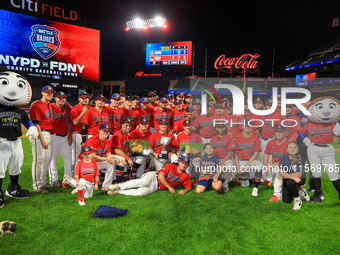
47, 130
267, 138
321, 145
58, 135
10, 138
243, 159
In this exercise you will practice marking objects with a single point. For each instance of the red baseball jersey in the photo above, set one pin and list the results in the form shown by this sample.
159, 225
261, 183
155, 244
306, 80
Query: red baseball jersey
204, 125
159, 114
133, 115
174, 177
87, 171
233, 124
178, 115
115, 117
270, 121
292, 123
155, 142
183, 138
75, 112
93, 119
255, 122
137, 134
41, 113
61, 119
275, 150
119, 140
222, 145
318, 133
146, 114
100, 148
246, 146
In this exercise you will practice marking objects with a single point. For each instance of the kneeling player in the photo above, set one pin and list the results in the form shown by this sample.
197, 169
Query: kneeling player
167, 178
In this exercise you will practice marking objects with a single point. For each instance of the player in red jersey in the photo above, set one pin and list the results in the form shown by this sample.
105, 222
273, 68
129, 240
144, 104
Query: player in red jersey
135, 102
234, 126
120, 146
171, 101
204, 125
169, 177
61, 137
144, 110
152, 106
178, 111
163, 146
93, 118
130, 113
276, 148
42, 118
255, 120
188, 100
292, 123
247, 149
116, 113
197, 108
77, 113
86, 175
161, 113
139, 162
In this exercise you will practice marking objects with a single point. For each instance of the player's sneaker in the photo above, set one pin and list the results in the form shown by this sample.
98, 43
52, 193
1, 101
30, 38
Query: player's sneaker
225, 187
2, 199
238, 182
42, 190
15, 191
56, 184
255, 192
303, 194
244, 182
268, 183
297, 203
113, 189
275, 198
318, 198
64, 183
81, 201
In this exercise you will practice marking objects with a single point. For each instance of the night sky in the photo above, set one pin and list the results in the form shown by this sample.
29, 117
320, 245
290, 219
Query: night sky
223, 27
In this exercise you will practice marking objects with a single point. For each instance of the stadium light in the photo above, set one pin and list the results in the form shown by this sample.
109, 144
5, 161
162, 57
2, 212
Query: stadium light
138, 23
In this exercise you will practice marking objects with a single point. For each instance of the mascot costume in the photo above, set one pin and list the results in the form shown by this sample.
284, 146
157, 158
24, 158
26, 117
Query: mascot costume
14, 91
321, 154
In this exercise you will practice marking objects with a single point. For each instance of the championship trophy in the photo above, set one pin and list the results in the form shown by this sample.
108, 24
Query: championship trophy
164, 142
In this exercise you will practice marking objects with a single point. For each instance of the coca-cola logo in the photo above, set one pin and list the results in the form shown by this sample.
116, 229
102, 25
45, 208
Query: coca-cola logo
248, 61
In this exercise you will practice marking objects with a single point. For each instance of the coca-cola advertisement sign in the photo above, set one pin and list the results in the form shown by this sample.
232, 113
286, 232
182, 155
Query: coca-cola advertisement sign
248, 61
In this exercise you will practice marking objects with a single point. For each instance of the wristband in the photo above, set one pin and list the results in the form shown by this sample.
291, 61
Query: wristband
126, 158
96, 182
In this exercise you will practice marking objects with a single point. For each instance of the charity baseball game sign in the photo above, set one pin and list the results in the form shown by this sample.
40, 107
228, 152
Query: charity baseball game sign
60, 54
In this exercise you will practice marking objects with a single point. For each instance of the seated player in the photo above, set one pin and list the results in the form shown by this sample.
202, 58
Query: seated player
210, 171
292, 170
167, 178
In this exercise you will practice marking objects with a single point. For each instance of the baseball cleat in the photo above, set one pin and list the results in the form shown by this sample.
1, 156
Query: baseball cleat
255, 192
225, 187
42, 190
113, 189
297, 203
275, 198
317, 199
268, 183
81, 202
64, 183
75, 191
303, 194
15, 191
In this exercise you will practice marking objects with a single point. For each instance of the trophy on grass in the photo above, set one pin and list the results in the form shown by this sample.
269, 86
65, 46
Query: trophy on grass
164, 142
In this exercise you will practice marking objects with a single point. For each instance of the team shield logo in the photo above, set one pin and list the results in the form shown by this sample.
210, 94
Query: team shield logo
45, 40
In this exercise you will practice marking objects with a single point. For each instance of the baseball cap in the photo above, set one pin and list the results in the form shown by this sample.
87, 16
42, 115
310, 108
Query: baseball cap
197, 101
163, 99
47, 88
144, 121
129, 97
83, 94
185, 159
151, 94
269, 101
127, 120
145, 100
177, 101
86, 149
180, 94
135, 97
100, 97
116, 96
186, 123
163, 121
258, 99
188, 95
228, 104
60, 94
104, 127
280, 127
189, 108
170, 96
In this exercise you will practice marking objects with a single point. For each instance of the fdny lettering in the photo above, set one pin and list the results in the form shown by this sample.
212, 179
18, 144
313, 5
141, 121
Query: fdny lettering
48, 114
245, 146
101, 152
60, 116
159, 117
206, 123
171, 178
99, 119
86, 171
320, 131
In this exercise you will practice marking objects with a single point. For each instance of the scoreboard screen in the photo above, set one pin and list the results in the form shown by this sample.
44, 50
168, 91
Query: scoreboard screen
169, 54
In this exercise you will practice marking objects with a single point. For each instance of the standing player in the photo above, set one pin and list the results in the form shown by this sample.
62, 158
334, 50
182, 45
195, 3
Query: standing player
204, 125
61, 137
130, 113
119, 144
247, 148
77, 113
141, 133
276, 148
169, 177
116, 114
93, 118
162, 113
42, 118
292, 123
178, 111
144, 110
233, 129
163, 146
197, 108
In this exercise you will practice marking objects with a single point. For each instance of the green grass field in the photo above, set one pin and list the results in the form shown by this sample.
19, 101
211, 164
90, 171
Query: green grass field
165, 223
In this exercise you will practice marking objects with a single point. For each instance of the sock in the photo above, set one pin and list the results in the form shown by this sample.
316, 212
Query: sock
14, 179
336, 185
118, 178
0, 183
80, 195
317, 186
257, 182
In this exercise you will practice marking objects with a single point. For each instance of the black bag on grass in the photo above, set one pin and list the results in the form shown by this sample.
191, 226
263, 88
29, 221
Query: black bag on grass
105, 211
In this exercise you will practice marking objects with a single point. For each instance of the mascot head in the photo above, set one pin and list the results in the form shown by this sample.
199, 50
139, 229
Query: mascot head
324, 110
14, 89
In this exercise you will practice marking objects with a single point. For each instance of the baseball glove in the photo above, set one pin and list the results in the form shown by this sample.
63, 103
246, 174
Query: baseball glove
7, 227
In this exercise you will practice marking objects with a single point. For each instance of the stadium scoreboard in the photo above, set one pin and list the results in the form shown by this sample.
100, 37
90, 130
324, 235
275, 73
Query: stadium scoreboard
169, 54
